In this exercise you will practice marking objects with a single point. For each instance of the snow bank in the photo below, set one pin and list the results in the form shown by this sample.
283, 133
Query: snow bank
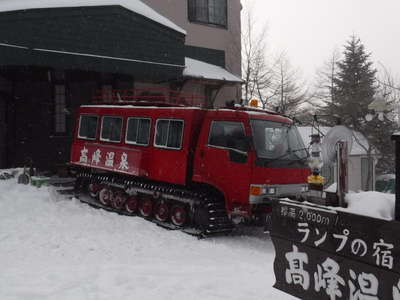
372, 204
136, 6
51, 248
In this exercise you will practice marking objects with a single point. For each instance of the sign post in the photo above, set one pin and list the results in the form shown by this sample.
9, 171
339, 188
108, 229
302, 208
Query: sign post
396, 138
328, 254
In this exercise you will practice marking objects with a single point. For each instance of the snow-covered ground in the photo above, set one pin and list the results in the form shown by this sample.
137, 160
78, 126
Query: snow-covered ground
52, 248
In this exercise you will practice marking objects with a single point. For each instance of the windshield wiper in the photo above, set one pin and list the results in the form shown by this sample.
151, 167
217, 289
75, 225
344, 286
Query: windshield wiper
302, 149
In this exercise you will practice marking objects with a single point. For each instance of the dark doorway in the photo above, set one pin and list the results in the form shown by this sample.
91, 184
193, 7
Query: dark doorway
7, 130
3, 130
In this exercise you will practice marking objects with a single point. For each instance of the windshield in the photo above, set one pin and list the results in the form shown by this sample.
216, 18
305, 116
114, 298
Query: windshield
277, 141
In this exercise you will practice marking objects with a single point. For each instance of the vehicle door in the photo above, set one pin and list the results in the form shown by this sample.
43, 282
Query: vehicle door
226, 159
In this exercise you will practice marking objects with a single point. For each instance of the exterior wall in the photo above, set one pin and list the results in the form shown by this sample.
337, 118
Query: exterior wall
355, 174
227, 94
210, 36
207, 36
29, 112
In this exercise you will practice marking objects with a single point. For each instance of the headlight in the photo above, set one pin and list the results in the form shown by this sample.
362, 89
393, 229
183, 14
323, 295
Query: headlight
258, 190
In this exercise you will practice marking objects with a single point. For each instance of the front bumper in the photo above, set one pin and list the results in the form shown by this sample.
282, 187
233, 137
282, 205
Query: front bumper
277, 191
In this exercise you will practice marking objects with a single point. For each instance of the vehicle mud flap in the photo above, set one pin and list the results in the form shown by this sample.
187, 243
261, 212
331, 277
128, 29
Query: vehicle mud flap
267, 223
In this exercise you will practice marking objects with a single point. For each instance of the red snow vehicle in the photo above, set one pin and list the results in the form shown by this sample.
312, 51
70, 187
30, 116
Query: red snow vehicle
187, 167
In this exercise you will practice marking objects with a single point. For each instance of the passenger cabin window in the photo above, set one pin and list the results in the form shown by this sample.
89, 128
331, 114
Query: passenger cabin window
138, 131
88, 127
111, 129
228, 134
208, 11
169, 134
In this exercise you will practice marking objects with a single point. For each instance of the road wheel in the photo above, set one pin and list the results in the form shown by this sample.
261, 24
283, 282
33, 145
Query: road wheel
132, 205
118, 200
105, 196
161, 211
94, 190
146, 206
179, 215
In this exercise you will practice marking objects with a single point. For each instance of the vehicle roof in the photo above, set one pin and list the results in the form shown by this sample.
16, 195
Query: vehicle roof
217, 112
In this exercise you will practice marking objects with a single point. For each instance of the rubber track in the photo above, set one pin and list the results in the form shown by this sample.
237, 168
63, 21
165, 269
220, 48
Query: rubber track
212, 208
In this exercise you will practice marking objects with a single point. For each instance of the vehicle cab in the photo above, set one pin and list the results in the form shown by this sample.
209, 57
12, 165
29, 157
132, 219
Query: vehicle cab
250, 157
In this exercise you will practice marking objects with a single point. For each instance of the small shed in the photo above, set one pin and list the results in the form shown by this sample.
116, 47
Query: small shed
361, 167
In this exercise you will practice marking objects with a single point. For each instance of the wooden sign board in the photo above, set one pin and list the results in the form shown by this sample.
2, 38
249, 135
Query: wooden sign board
329, 254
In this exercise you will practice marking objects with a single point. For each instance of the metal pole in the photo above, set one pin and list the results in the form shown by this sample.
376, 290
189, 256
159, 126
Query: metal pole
397, 203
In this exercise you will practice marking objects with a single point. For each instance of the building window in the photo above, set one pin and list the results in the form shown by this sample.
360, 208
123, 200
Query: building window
208, 12
60, 118
169, 134
111, 129
226, 134
88, 127
138, 131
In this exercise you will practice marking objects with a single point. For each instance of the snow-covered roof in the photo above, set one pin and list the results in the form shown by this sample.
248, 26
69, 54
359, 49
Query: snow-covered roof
199, 69
358, 138
136, 6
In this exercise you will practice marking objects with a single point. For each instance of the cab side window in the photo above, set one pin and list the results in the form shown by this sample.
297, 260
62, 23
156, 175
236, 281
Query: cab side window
111, 129
227, 134
88, 127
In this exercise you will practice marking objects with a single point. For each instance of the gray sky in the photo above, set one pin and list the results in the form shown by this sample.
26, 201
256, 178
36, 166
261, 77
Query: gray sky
309, 30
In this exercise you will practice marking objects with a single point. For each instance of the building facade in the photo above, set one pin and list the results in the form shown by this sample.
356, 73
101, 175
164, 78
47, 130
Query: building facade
56, 55
213, 36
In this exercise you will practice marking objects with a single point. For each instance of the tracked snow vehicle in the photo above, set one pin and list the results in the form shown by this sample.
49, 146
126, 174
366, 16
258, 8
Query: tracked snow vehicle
196, 169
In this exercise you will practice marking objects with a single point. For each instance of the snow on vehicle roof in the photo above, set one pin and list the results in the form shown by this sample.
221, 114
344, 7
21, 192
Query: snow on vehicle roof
358, 139
199, 69
136, 6
265, 111
139, 106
